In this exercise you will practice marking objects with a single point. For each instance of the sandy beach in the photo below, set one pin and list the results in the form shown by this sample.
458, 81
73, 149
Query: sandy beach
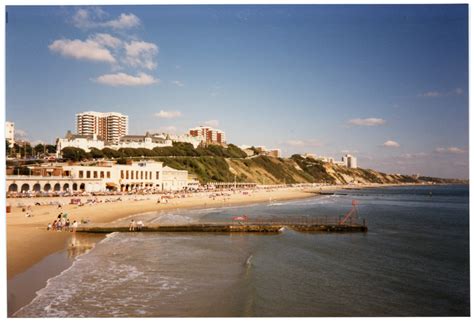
28, 241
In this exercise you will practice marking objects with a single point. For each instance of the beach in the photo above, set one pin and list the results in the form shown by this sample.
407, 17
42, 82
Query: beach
28, 241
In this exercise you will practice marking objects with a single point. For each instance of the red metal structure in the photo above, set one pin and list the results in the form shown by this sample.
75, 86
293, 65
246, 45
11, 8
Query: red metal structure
351, 213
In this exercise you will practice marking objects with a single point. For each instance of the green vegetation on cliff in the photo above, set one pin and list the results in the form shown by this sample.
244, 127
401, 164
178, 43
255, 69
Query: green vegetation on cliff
217, 163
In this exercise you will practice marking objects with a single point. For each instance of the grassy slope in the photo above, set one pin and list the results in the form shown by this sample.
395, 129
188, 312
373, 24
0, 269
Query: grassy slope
267, 170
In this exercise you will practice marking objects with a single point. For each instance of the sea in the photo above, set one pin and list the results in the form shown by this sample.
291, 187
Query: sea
413, 261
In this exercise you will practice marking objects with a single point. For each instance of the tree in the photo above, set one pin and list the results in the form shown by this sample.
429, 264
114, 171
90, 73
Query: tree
7, 147
111, 153
96, 153
50, 148
39, 148
74, 154
235, 151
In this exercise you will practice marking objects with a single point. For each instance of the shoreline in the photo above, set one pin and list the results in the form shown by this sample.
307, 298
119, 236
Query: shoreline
22, 232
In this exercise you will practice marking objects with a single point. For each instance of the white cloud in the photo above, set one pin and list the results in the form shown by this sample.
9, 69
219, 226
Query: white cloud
122, 79
177, 83
82, 50
94, 18
452, 150
141, 54
430, 94
457, 91
414, 155
124, 21
391, 144
303, 143
212, 123
168, 114
371, 121
106, 40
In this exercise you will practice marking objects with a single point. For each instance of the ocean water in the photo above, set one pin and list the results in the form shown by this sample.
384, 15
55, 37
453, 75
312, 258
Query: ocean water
413, 261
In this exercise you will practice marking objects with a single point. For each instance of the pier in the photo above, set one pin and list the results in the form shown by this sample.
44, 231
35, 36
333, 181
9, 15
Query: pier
348, 223
273, 225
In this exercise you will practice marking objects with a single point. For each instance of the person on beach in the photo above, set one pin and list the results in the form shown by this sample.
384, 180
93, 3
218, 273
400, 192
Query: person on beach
132, 225
49, 227
53, 226
74, 226
140, 225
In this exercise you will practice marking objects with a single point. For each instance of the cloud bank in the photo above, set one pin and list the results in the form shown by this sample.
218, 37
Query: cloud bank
371, 121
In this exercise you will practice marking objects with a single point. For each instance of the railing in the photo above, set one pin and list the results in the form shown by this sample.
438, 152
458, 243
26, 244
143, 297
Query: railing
302, 220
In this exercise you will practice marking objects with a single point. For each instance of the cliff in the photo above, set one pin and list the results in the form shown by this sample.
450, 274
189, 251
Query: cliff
268, 170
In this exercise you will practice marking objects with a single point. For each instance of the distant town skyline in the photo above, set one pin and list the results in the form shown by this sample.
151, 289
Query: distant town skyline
386, 83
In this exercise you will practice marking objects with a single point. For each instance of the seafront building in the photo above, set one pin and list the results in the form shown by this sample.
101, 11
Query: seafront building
347, 160
99, 177
10, 132
187, 138
260, 150
84, 142
146, 141
350, 161
209, 135
109, 127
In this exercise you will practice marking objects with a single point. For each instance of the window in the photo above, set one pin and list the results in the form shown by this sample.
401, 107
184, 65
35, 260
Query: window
108, 174
95, 174
81, 174
141, 175
121, 174
131, 174
146, 175
157, 175
101, 174
126, 174
88, 174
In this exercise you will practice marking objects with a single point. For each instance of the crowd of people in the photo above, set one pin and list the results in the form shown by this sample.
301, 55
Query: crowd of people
136, 225
62, 223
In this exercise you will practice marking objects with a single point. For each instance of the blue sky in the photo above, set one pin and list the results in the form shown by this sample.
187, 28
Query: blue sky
389, 84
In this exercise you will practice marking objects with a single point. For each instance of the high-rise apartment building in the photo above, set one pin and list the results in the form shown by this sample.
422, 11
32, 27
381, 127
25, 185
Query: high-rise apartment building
350, 161
109, 127
10, 133
208, 134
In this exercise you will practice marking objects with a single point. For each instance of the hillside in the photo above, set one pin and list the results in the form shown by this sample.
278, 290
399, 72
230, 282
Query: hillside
267, 170
216, 163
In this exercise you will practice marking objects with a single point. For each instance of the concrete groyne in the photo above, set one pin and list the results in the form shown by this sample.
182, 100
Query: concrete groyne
228, 228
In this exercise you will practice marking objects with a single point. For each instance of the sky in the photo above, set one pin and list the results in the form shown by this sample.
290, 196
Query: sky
385, 83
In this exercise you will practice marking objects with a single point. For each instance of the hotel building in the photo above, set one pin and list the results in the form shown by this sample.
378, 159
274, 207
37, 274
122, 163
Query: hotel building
209, 134
110, 126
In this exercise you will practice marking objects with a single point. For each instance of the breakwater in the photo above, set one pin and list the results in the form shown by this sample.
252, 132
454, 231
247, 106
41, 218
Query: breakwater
229, 228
